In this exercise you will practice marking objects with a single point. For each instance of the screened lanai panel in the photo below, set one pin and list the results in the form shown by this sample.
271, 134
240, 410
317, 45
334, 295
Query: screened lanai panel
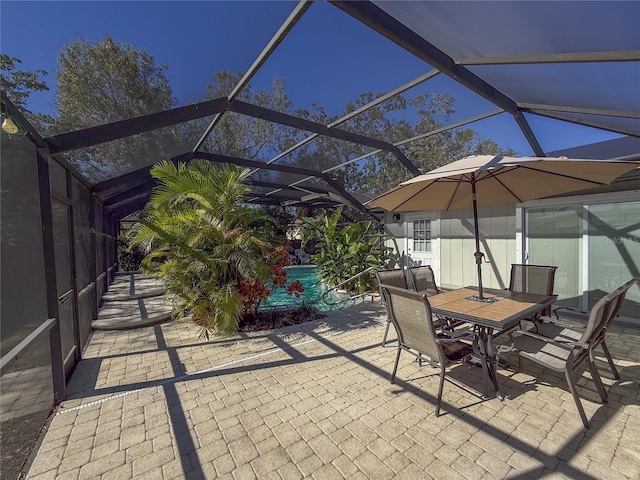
332, 50
323, 153
191, 59
196, 64
602, 86
464, 29
100, 248
26, 393
286, 178
436, 103
290, 179
556, 145
23, 278
286, 194
629, 126
82, 233
118, 157
503, 32
372, 175
251, 138
58, 179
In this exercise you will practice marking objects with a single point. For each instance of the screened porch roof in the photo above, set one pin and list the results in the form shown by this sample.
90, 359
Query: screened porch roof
524, 68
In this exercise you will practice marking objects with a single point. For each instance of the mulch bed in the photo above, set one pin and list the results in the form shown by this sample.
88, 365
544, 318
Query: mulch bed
277, 319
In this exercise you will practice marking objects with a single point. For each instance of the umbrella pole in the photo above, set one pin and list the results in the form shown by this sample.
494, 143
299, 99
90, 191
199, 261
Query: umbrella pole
478, 253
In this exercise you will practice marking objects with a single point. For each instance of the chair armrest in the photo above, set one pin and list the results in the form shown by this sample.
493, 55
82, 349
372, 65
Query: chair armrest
569, 309
560, 343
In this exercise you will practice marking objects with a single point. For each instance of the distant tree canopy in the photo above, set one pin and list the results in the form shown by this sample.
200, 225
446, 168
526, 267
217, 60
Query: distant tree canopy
19, 84
104, 81
382, 171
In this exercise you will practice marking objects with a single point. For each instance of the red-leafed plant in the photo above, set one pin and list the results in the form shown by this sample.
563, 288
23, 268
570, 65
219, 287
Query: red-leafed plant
252, 292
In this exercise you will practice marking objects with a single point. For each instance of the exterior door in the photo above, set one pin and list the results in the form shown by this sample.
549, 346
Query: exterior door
422, 245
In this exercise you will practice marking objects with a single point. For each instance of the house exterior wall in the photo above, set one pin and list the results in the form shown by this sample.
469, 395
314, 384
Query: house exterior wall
456, 264
497, 227
503, 234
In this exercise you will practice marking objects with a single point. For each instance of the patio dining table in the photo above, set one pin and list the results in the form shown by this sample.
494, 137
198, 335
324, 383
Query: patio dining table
500, 311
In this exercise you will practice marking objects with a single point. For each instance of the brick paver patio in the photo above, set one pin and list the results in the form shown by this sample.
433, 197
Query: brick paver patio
314, 401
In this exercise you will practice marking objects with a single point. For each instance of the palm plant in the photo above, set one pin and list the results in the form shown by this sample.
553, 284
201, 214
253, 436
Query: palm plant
342, 253
201, 241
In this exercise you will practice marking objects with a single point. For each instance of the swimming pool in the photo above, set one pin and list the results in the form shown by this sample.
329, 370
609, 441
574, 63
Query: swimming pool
312, 294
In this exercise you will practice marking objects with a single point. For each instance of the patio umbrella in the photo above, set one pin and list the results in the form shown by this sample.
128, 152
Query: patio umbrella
484, 180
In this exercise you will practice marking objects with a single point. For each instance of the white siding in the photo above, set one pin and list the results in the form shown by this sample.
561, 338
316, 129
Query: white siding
497, 227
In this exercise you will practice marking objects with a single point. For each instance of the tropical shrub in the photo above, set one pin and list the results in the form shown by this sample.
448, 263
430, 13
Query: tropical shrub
342, 253
129, 255
213, 252
252, 292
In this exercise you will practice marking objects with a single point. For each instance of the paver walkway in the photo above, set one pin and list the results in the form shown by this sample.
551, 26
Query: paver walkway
314, 401
133, 301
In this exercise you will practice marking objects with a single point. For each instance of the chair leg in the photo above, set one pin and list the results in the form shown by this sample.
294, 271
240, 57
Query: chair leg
614, 370
519, 363
439, 400
395, 367
569, 375
596, 378
386, 332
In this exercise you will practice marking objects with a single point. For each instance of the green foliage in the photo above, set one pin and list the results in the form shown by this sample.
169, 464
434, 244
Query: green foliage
106, 81
244, 136
382, 171
344, 252
129, 256
20, 84
201, 240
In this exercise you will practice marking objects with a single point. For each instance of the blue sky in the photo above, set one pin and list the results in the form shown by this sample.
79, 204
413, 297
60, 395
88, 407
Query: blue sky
328, 58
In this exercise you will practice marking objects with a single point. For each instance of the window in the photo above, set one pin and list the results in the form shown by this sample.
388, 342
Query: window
422, 235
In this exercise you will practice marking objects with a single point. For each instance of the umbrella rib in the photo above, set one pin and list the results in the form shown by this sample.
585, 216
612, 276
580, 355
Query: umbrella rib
459, 182
417, 193
495, 176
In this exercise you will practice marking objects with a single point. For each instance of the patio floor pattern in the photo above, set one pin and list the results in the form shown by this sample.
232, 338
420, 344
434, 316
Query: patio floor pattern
315, 401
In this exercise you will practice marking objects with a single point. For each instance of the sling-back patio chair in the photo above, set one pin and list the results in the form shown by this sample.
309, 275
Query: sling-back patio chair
411, 314
397, 278
566, 355
560, 332
424, 281
537, 279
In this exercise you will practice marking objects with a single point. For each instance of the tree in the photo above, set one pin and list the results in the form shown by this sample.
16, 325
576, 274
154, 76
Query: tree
383, 172
390, 121
247, 137
20, 84
213, 253
106, 81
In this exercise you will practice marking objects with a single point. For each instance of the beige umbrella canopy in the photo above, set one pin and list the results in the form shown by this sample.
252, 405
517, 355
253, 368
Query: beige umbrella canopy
484, 180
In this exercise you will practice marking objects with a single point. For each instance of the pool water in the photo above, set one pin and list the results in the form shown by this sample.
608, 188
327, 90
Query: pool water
311, 296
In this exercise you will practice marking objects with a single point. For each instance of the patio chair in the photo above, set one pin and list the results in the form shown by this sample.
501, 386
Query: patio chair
566, 355
411, 314
424, 281
396, 278
559, 332
537, 279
